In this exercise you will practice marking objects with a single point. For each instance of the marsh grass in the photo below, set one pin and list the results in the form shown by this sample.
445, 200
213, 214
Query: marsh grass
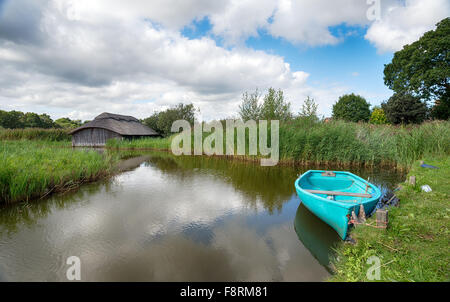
340, 143
32, 169
35, 134
414, 247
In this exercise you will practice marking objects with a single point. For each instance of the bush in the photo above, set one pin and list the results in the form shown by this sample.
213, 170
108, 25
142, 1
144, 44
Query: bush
378, 116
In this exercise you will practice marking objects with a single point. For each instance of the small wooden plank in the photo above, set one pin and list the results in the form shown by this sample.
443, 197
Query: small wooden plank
339, 193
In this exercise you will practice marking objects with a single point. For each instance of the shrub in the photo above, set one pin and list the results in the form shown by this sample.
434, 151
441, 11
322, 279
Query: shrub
378, 116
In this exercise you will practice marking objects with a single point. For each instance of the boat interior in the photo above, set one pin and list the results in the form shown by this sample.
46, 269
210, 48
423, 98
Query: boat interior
336, 186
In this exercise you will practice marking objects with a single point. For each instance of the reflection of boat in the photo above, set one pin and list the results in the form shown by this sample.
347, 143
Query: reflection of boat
332, 196
316, 236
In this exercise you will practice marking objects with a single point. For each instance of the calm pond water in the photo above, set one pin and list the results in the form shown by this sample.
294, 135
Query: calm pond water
170, 218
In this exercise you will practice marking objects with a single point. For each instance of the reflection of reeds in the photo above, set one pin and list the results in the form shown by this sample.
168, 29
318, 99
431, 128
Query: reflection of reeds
338, 143
35, 169
145, 143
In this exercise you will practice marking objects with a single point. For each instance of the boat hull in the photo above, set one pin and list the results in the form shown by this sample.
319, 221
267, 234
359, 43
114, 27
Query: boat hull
336, 213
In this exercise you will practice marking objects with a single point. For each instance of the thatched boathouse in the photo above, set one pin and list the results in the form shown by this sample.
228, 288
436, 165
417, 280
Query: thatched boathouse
107, 126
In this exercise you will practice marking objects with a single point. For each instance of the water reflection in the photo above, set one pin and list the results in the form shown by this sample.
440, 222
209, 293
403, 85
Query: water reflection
316, 236
168, 218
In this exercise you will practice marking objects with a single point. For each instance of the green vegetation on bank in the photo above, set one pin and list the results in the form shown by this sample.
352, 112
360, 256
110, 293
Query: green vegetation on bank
304, 140
414, 247
35, 134
32, 169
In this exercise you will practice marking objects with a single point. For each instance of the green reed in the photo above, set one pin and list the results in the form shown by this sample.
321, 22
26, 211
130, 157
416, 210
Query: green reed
35, 134
338, 142
32, 169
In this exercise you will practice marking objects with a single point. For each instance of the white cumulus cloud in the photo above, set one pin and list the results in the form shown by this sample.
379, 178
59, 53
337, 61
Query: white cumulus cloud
404, 23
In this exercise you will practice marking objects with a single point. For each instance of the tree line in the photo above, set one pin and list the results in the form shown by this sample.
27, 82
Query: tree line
19, 120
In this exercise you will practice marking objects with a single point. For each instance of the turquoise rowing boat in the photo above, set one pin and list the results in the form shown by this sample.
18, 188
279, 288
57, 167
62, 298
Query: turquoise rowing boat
333, 195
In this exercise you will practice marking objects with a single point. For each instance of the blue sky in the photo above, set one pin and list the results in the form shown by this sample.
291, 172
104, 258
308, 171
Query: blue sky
78, 58
353, 63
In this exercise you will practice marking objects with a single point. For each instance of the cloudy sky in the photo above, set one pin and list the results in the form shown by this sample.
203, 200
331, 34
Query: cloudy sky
83, 57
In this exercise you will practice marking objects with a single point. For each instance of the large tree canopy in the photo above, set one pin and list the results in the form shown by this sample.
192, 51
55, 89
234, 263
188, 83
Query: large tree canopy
423, 67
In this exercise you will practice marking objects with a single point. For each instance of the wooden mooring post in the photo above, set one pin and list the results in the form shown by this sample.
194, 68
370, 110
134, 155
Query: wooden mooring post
382, 218
362, 214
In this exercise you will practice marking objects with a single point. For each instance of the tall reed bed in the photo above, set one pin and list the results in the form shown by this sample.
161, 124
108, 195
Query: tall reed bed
35, 134
32, 169
342, 142
338, 142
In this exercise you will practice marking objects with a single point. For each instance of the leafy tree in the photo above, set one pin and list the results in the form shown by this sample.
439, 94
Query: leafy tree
67, 123
250, 109
274, 106
422, 68
405, 109
152, 122
162, 121
378, 116
12, 119
441, 109
31, 120
46, 121
309, 109
3, 118
351, 107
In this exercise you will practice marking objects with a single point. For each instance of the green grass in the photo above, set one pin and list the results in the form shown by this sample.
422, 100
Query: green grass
32, 169
35, 134
415, 247
337, 142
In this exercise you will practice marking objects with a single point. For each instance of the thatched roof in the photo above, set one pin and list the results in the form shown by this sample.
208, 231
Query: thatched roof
121, 124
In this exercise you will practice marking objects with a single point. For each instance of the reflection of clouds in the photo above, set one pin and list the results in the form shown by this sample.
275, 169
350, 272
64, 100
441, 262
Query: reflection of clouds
237, 253
137, 230
295, 261
249, 254
162, 199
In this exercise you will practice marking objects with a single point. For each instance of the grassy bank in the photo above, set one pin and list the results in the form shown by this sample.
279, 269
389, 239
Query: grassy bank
337, 142
35, 134
32, 169
415, 245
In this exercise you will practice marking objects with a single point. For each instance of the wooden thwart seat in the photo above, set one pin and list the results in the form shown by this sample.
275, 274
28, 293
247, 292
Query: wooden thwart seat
340, 193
